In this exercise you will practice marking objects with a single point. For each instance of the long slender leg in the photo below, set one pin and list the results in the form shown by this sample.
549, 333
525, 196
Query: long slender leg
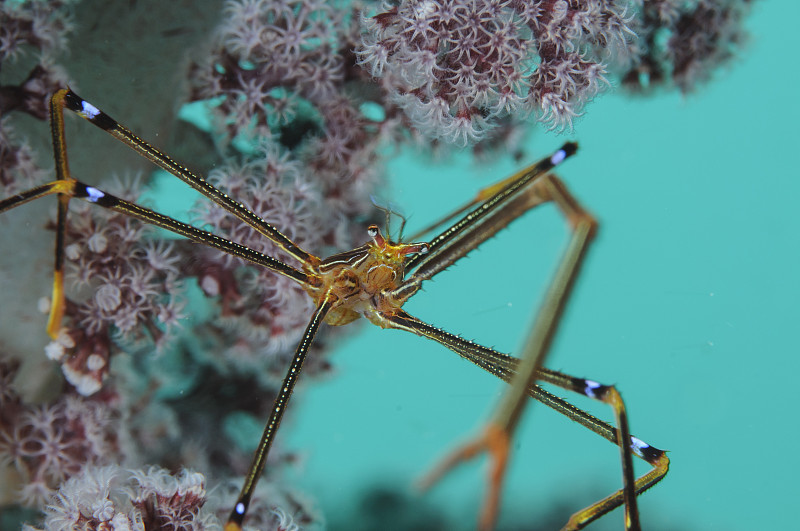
70, 188
65, 98
106, 200
67, 187
482, 196
506, 417
496, 436
504, 367
500, 428
61, 187
609, 395
260, 458
511, 198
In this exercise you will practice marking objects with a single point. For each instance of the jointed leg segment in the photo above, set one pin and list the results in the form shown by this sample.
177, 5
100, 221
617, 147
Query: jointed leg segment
284, 393
67, 187
523, 372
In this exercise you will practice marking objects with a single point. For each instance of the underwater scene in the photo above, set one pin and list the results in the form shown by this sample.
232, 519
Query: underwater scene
134, 389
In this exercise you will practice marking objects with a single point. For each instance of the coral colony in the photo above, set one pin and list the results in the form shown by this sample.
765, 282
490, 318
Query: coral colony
314, 89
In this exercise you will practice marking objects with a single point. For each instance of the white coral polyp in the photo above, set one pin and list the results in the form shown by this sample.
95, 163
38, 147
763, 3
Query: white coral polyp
95, 362
85, 384
98, 243
108, 297
103, 510
463, 131
54, 350
115, 498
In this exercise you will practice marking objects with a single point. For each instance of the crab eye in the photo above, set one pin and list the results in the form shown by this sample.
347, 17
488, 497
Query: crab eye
372, 231
424, 249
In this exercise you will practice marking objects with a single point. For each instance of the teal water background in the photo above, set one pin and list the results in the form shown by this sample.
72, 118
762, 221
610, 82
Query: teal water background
688, 303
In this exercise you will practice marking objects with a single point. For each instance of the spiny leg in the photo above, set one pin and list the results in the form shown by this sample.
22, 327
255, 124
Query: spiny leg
67, 187
504, 367
511, 198
61, 187
111, 202
69, 100
496, 436
72, 188
482, 196
631, 487
260, 458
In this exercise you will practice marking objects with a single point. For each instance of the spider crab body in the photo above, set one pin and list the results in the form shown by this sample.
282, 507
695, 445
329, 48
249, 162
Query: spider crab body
363, 280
